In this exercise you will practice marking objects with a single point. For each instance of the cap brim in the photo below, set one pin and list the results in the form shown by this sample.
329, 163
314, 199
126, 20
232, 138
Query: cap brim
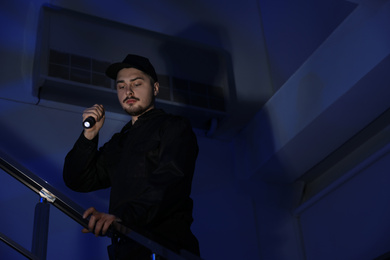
113, 69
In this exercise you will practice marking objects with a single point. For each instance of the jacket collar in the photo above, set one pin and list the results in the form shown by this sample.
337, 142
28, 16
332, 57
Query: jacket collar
144, 117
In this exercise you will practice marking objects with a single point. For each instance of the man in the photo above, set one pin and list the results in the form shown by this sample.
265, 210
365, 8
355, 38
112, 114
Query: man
149, 166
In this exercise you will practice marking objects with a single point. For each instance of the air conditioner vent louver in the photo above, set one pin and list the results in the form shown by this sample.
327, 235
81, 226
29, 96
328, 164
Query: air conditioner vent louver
78, 69
86, 70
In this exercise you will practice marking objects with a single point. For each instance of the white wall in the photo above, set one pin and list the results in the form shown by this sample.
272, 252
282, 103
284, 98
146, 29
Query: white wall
350, 219
336, 93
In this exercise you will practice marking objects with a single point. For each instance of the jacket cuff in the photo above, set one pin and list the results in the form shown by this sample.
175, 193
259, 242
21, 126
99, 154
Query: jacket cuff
84, 143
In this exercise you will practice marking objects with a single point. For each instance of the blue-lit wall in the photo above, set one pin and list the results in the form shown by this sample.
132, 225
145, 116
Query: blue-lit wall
325, 135
313, 89
40, 135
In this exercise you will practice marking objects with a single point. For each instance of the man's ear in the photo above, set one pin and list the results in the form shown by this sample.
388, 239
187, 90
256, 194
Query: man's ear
156, 88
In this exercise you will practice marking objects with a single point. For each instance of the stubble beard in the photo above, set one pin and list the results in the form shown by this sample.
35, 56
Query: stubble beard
137, 111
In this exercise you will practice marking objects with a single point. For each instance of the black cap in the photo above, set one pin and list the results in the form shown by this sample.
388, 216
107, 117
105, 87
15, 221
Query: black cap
132, 61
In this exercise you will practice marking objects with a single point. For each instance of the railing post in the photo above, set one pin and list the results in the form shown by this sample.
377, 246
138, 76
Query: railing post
41, 229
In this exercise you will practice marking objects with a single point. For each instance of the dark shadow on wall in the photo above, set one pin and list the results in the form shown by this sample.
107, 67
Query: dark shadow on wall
202, 78
272, 199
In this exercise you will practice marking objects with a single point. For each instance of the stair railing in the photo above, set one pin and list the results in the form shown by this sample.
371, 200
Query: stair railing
50, 196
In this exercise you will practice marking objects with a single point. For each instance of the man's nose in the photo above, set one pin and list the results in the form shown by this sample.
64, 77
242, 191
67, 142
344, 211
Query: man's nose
129, 89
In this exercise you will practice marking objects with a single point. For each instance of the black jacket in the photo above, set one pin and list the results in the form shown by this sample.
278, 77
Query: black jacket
149, 167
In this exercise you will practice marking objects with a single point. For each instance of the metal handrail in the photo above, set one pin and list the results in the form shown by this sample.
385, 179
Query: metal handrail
52, 196
17, 247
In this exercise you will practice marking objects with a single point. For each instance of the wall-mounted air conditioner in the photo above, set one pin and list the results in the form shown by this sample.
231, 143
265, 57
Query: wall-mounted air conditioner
74, 49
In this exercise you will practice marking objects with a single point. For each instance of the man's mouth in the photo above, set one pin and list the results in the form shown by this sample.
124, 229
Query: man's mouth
130, 100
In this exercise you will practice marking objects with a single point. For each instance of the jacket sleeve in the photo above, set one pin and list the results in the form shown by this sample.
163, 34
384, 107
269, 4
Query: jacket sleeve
169, 184
83, 168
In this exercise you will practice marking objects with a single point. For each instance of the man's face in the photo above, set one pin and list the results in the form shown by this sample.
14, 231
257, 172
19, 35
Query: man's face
135, 92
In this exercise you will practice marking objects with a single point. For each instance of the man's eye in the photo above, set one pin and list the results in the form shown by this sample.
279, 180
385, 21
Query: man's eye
121, 87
